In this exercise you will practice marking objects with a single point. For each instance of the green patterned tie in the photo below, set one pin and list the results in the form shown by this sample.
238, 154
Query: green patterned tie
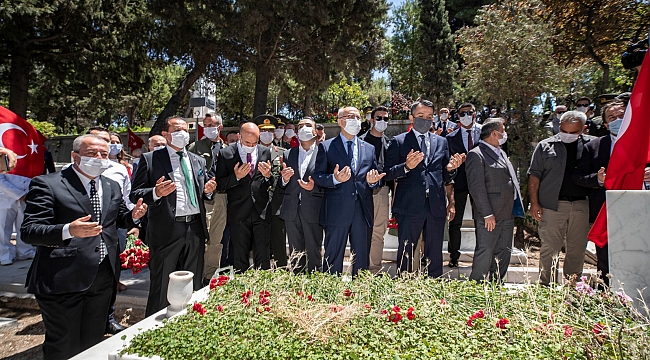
188, 179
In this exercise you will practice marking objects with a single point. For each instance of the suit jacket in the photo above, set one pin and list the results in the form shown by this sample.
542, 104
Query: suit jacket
162, 213
203, 148
410, 193
456, 146
248, 196
295, 197
338, 200
594, 156
490, 183
66, 266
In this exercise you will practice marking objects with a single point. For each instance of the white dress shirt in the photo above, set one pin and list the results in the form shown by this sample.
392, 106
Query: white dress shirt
427, 140
304, 157
183, 204
85, 181
475, 130
243, 154
118, 173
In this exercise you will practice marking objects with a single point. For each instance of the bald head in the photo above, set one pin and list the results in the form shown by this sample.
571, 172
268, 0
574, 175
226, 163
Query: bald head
249, 134
156, 140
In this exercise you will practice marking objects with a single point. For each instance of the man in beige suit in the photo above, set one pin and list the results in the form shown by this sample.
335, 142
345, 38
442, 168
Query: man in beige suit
494, 187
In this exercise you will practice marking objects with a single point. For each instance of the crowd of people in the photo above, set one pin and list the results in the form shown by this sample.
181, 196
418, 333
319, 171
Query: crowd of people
237, 198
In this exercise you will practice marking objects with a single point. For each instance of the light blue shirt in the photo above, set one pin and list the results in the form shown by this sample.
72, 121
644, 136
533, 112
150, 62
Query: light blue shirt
355, 153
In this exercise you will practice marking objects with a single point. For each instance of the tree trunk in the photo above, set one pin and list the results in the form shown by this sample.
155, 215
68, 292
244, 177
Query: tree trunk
175, 101
262, 76
605, 84
19, 81
306, 111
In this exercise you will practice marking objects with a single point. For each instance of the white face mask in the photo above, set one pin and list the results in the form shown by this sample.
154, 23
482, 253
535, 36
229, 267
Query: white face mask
279, 133
180, 139
211, 132
93, 166
352, 126
114, 149
305, 133
266, 137
381, 125
466, 120
289, 133
504, 138
568, 138
159, 147
583, 109
248, 149
444, 116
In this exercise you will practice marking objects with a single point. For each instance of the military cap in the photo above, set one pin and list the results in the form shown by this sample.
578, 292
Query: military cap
266, 122
282, 120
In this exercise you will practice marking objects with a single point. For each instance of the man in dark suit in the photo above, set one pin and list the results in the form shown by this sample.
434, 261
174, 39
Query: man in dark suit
494, 187
347, 169
173, 182
444, 126
302, 200
72, 217
420, 163
590, 173
463, 139
244, 172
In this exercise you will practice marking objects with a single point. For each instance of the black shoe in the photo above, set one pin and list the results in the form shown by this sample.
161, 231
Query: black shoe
453, 263
113, 327
206, 282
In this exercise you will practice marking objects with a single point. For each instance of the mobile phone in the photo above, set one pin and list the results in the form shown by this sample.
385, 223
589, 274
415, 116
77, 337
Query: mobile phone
4, 163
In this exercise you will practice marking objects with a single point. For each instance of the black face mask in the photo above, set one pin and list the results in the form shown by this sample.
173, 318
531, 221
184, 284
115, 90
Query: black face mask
422, 125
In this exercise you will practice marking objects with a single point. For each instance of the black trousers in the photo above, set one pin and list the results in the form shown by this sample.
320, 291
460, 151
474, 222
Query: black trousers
76, 321
253, 233
278, 241
460, 198
305, 238
184, 251
603, 263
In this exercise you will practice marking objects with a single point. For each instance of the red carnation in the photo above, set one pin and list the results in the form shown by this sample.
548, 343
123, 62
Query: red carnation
348, 293
310, 297
396, 309
367, 306
219, 308
198, 307
264, 300
395, 317
138, 242
568, 331
300, 293
501, 324
443, 302
384, 312
409, 314
479, 314
265, 293
598, 328
267, 308
213, 283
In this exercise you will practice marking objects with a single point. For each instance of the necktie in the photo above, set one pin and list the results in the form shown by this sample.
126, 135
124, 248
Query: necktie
351, 156
97, 210
444, 127
249, 159
423, 148
470, 142
188, 179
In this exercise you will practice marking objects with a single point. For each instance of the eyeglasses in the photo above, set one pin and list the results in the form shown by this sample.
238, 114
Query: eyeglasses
379, 118
470, 112
351, 117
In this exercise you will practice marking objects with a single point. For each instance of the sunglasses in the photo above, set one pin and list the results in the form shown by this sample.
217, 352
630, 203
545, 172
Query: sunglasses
466, 113
561, 112
585, 105
379, 118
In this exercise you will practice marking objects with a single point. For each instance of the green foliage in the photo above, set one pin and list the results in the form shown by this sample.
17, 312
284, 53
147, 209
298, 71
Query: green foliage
437, 51
46, 129
338, 95
404, 49
346, 320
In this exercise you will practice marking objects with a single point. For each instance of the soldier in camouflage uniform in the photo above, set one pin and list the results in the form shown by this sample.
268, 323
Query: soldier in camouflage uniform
267, 125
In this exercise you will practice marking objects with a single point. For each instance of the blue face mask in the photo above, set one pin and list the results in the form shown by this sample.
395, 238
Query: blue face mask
615, 126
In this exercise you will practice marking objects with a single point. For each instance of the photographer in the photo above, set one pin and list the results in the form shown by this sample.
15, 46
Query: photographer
633, 56
10, 158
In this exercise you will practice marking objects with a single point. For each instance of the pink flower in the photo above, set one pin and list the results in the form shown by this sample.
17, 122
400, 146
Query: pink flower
568, 331
198, 307
443, 302
623, 298
501, 324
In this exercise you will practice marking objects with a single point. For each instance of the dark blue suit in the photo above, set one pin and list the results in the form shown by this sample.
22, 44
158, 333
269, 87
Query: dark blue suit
347, 208
414, 209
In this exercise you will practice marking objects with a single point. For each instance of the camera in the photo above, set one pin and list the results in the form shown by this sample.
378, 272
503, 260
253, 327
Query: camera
634, 54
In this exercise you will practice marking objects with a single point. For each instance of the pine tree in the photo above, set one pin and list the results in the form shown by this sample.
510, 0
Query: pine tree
437, 51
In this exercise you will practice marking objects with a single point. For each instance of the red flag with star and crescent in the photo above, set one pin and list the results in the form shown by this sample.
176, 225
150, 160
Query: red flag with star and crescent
135, 142
22, 138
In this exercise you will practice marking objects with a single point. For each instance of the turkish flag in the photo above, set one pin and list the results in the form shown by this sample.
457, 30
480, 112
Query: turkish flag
20, 136
199, 132
631, 150
135, 142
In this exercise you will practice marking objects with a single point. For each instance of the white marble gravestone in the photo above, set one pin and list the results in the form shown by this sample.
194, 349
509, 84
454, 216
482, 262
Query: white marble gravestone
628, 226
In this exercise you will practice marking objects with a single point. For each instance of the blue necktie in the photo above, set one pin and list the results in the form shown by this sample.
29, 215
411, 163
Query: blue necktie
423, 148
351, 156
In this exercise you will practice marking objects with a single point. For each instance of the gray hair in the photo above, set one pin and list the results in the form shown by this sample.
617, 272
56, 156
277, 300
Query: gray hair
76, 145
490, 125
572, 117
